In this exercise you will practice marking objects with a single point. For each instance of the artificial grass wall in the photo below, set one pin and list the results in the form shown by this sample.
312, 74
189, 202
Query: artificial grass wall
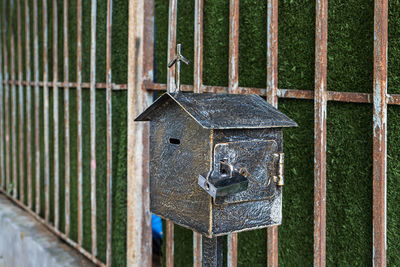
349, 155
349, 159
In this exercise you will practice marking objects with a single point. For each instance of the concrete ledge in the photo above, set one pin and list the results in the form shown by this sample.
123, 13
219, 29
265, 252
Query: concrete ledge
26, 242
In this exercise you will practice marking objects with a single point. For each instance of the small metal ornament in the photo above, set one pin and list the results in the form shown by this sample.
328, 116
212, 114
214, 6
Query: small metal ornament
177, 59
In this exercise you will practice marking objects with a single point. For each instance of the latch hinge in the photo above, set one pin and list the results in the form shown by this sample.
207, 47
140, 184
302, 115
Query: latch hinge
279, 179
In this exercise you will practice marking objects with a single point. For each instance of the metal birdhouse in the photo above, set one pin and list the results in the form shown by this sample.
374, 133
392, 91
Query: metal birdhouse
216, 161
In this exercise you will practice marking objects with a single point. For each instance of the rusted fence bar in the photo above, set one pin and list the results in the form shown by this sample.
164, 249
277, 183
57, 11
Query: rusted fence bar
2, 172
93, 125
320, 105
172, 19
13, 105
79, 117
380, 132
114, 86
6, 100
140, 68
197, 83
66, 122
46, 115
28, 103
37, 100
233, 72
55, 119
20, 108
272, 98
109, 131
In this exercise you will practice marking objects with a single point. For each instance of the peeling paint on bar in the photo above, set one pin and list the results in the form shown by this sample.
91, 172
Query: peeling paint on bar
79, 117
21, 110
93, 125
2, 171
28, 104
380, 132
109, 132
55, 119
233, 88
320, 107
66, 122
272, 98
140, 68
197, 85
37, 100
13, 106
46, 115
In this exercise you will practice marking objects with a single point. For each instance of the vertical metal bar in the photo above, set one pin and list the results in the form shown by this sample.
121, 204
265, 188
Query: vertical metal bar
2, 171
212, 252
172, 18
66, 121
379, 132
169, 249
140, 69
234, 46
320, 104
13, 105
37, 128
93, 126
198, 46
46, 114
272, 98
197, 83
233, 85
55, 117
28, 103
6, 94
21, 108
109, 131
79, 116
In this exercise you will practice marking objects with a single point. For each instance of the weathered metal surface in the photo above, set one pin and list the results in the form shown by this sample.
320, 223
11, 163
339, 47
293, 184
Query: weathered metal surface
66, 121
93, 162
2, 153
172, 18
140, 68
46, 114
196, 148
6, 99
56, 167
380, 132
320, 103
272, 98
232, 249
109, 131
233, 68
13, 105
36, 104
212, 252
224, 111
20, 109
169, 246
177, 61
28, 103
79, 117
197, 84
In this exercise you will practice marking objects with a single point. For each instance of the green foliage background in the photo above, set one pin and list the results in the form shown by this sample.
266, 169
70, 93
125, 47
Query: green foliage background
349, 159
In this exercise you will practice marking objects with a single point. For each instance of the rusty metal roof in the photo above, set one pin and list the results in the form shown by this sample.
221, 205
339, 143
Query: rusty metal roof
224, 111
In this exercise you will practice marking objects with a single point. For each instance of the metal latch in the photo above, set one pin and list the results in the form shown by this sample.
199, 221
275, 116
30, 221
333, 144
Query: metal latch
279, 180
229, 181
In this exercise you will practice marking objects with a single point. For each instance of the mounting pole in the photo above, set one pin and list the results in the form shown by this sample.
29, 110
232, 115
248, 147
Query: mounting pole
177, 59
212, 251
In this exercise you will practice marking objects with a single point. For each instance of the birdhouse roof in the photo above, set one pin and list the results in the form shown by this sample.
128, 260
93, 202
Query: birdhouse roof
223, 111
